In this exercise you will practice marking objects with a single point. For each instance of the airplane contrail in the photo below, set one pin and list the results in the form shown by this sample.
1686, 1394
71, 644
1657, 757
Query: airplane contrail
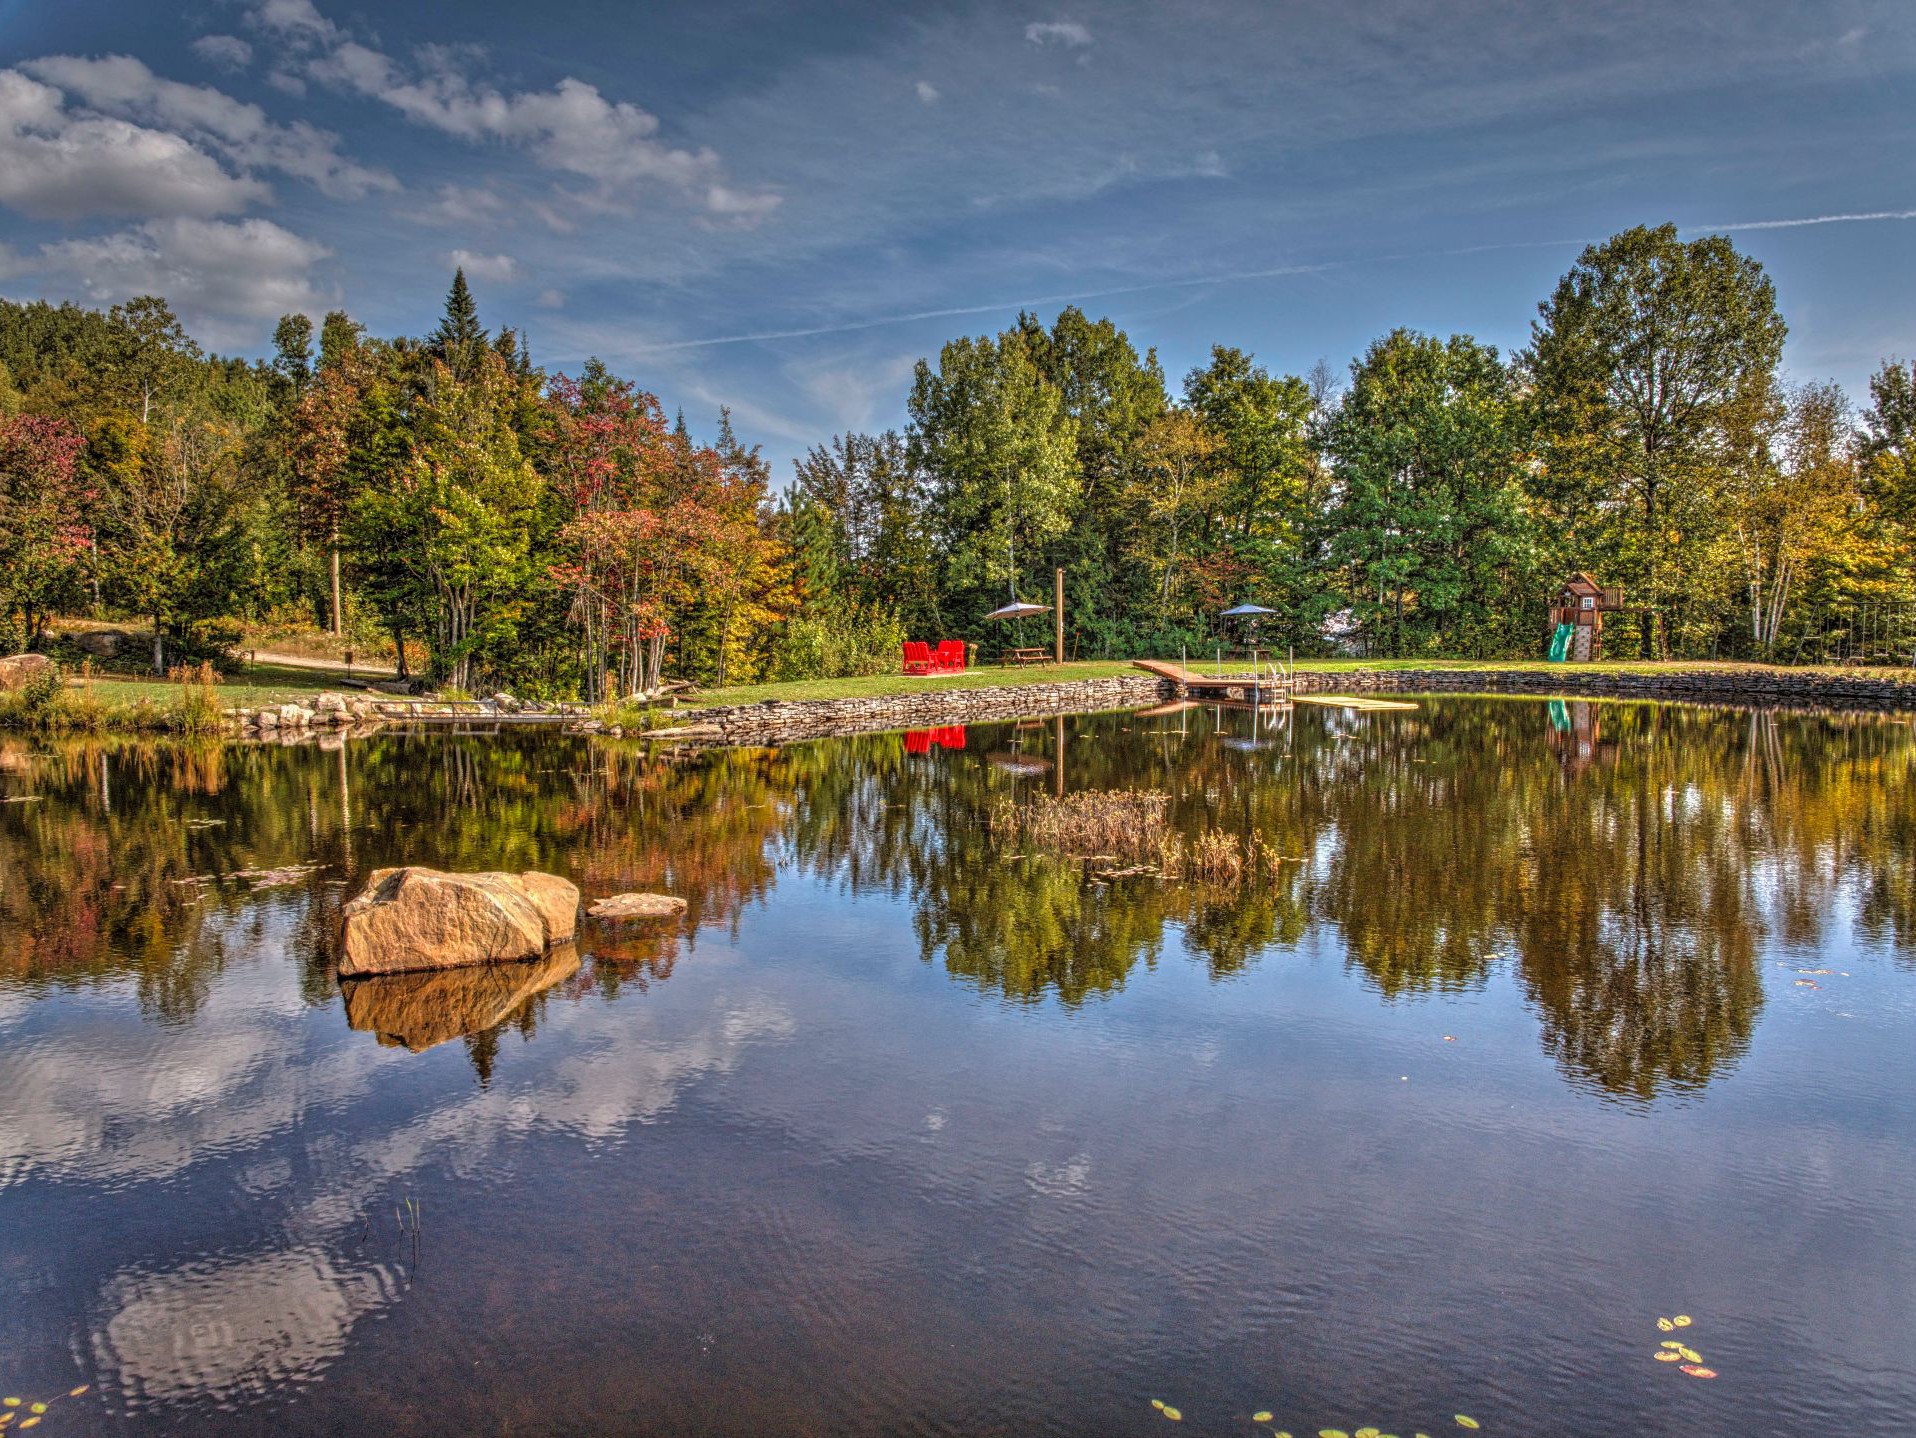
1863, 216
1230, 277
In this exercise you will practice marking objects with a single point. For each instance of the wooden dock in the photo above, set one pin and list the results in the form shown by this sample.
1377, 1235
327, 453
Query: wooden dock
1272, 686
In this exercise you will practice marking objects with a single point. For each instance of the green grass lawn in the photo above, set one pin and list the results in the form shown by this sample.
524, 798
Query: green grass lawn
249, 688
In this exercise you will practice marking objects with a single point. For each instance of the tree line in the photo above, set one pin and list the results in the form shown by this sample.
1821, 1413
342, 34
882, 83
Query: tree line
558, 534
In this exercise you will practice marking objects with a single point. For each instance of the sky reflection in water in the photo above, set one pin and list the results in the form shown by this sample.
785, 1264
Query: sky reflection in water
896, 1134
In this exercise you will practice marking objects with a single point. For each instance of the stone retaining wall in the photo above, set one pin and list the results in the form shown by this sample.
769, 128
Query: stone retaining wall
1793, 689
781, 721
778, 721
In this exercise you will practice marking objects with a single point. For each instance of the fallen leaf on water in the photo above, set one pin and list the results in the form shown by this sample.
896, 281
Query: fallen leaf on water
1665, 1325
10, 1402
1463, 1422
28, 1422
1158, 1403
1808, 984
1173, 1415
76, 1392
1665, 1356
1698, 1371
1691, 1355
1367, 1432
1261, 1416
1332, 1433
1683, 1320
1669, 1343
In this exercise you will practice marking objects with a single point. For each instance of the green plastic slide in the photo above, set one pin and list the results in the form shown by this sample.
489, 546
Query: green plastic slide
1560, 643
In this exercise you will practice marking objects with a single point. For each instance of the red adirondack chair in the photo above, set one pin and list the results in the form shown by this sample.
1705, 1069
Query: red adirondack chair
951, 656
917, 657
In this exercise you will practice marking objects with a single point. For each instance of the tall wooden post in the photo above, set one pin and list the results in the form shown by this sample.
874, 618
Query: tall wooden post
1057, 614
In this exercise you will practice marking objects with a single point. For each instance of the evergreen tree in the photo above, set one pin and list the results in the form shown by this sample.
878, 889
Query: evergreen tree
459, 337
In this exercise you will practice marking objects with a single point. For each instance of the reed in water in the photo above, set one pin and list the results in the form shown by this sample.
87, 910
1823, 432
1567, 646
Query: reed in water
1130, 827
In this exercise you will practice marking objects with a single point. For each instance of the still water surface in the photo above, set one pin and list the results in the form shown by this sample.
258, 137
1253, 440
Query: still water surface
1556, 1020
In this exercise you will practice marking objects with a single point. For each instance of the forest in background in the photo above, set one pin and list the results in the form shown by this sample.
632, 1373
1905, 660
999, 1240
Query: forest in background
558, 535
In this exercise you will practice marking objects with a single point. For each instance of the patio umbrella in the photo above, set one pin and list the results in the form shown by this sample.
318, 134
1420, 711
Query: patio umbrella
1018, 609
1250, 613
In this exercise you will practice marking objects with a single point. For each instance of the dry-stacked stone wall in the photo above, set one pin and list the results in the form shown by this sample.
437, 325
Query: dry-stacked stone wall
776, 721
780, 721
1780, 688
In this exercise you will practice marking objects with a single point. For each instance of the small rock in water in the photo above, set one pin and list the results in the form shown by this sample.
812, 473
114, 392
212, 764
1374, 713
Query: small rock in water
637, 906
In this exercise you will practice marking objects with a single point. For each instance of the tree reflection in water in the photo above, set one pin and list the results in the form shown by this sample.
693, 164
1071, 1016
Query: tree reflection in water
1630, 861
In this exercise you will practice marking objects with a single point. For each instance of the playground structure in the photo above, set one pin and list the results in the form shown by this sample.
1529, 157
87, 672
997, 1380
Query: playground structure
1576, 619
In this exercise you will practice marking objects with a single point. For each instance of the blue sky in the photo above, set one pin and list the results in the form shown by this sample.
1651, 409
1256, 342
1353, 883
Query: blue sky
781, 207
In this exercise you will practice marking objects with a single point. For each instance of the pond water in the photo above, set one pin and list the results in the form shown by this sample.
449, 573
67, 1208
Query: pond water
1547, 1021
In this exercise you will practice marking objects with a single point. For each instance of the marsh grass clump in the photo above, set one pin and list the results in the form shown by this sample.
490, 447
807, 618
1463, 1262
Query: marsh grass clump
1128, 833
1106, 823
48, 704
195, 708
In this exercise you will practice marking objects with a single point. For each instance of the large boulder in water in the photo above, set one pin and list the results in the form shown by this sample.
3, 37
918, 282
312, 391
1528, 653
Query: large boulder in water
416, 1011
413, 918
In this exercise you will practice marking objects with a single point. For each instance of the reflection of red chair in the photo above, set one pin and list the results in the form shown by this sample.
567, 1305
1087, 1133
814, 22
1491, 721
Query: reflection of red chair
920, 741
918, 658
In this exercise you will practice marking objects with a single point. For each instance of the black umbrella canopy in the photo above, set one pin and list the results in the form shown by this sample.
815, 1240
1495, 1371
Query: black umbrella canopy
1018, 609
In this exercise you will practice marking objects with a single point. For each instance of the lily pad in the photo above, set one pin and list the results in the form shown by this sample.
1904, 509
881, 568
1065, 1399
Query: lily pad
1683, 1320
1664, 1325
1664, 1355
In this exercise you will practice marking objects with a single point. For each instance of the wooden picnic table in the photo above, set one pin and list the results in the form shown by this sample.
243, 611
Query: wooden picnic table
1027, 655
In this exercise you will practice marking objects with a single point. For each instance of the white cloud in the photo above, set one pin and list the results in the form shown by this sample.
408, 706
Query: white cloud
56, 164
125, 88
502, 268
551, 300
224, 277
462, 205
286, 82
928, 92
295, 18
229, 52
1068, 33
572, 127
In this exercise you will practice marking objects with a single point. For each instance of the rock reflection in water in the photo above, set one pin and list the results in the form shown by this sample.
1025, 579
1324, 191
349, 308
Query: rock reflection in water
419, 1011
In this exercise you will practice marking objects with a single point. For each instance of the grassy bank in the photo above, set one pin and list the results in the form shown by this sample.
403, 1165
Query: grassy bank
187, 702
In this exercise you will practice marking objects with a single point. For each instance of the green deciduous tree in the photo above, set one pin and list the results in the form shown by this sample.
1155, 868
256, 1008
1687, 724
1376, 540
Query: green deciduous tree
1001, 451
1642, 362
1430, 519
